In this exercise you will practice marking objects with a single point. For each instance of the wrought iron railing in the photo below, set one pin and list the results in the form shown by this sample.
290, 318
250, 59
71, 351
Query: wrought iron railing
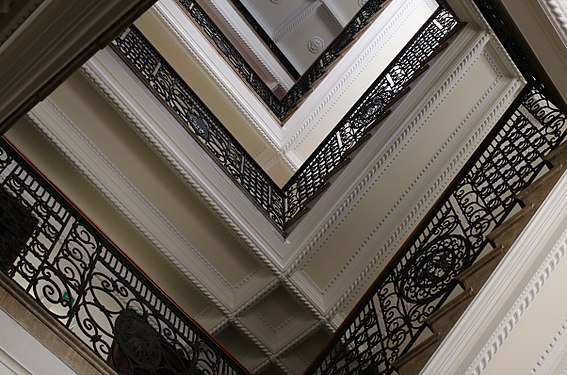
282, 206
420, 277
353, 127
282, 108
84, 281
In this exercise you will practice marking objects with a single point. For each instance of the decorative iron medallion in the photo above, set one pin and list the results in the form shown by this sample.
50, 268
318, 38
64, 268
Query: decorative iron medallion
138, 341
432, 269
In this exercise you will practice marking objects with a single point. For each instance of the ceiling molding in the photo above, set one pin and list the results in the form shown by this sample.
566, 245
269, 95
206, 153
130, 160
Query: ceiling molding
91, 163
425, 189
556, 11
299, 17
144, 113
550, 361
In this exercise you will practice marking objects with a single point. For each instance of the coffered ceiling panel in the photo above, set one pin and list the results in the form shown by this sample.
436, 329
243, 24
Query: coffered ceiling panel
240, 346
278, 319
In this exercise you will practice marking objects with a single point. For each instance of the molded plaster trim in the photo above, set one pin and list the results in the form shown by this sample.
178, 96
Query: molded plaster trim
322, 216
394, 148
230, 205
502, 301
477, 17
556, 11
241, 29
299, 17
90, 162
203, 178
337, 14
206, 193
554, 352
190, 38
333, 86
434, 189
453, 166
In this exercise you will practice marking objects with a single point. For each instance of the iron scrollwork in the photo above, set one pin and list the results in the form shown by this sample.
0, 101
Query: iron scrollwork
86, 283
392, 314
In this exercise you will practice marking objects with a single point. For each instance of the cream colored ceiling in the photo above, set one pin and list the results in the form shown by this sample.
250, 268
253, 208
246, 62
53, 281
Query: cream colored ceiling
272, 302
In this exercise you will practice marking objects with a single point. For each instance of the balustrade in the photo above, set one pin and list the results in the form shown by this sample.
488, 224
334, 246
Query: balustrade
83, 280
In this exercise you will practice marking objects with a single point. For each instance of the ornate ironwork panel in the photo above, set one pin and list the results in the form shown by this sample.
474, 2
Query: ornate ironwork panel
85, 282
205, 128
393, 312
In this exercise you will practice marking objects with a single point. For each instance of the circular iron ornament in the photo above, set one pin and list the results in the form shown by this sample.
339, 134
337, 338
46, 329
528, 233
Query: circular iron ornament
432, 269
138, 340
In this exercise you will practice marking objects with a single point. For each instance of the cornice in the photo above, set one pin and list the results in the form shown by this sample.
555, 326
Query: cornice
131, 114
504, 89
522, 303
90, 162
384, 158
556, 12
135, 119
477, 18
299, 17
460, 156
556, 348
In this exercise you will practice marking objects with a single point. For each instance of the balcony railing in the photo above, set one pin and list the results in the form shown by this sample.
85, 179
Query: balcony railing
282, 108
282, 206
421, 276
81, 278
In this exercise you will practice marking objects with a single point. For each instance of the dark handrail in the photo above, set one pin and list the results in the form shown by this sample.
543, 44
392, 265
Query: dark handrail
282, 206
75, 272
